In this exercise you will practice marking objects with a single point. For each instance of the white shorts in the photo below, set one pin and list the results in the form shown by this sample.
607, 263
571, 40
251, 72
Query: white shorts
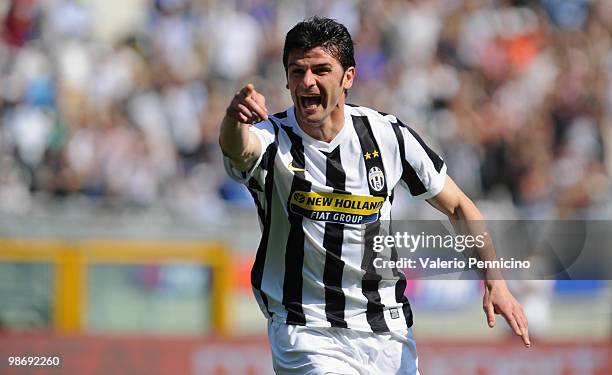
318, 351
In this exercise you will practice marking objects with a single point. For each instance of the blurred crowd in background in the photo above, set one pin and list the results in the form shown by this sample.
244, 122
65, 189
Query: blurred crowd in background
121, 102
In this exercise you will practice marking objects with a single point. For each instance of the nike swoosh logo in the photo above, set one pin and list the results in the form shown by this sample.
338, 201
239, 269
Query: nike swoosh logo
294, 169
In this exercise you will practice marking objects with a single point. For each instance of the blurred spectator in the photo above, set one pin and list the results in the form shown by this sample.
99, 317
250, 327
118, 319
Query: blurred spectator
21, 23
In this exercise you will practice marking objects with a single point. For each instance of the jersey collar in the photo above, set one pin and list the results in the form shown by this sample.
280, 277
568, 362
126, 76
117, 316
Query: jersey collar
338, 139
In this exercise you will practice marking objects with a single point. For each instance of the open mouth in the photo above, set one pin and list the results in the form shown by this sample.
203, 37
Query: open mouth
310, 101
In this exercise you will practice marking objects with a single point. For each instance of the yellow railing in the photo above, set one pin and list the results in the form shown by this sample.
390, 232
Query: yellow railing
71, 259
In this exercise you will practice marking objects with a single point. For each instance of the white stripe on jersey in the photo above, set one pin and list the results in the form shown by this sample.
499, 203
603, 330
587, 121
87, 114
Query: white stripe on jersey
319, 204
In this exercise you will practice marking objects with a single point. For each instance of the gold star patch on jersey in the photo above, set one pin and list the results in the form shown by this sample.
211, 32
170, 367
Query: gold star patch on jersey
369, 155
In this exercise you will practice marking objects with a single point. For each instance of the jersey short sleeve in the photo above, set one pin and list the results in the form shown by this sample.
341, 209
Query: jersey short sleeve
264, 131
423, 170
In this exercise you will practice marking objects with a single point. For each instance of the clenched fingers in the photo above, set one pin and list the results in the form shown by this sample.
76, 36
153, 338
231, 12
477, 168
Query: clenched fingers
248, 106
259, 110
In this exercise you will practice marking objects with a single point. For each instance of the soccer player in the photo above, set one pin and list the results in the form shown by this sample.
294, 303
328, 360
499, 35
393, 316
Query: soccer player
322, 175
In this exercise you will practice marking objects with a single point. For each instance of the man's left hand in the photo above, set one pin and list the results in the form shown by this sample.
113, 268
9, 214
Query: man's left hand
498, 300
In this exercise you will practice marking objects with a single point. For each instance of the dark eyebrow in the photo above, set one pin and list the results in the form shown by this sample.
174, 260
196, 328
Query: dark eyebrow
322, 65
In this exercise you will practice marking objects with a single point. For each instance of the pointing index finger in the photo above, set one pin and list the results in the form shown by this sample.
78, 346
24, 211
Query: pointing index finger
249, 89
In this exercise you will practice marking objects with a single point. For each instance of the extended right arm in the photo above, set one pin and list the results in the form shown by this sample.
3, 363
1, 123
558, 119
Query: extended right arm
236, 141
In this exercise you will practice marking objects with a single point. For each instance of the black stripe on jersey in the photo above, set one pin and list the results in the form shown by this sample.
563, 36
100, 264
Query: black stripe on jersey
266, 218
335, 301
368, 146
280, 115
294, 252
254, 185
267, 163
400, 286
371, 280
260, 210
400, 289
409, 176
267, 160
435, 159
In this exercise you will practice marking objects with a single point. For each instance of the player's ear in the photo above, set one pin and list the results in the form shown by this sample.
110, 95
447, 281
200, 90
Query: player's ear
349, 75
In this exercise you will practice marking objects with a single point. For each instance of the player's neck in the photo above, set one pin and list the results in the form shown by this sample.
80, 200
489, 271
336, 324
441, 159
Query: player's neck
330, 127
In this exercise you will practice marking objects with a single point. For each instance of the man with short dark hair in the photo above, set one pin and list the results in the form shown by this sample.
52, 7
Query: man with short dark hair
322, 175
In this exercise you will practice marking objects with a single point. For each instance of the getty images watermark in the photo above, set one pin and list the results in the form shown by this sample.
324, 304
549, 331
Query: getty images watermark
458, 243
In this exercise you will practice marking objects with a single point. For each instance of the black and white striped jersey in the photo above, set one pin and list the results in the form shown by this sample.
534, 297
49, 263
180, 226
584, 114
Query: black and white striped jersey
320, 205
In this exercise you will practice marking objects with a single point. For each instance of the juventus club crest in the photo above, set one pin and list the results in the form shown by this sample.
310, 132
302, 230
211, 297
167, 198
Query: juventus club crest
376, 178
